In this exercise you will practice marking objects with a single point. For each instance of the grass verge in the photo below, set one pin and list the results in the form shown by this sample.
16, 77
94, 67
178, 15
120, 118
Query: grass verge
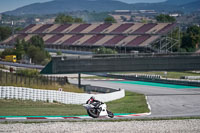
131, 103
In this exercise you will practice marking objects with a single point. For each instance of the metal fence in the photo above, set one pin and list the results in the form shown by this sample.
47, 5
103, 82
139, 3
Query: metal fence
7, 78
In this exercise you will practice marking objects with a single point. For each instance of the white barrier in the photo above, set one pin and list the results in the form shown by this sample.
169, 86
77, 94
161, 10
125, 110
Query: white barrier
10, 92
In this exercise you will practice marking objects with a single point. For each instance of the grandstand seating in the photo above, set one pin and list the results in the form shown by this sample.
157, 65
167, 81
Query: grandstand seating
53, 39
32, 29
46, 37
166, 28
100, 28
19, 36
133, 28
90, 28
28, 37
61, 28
43, 28
110, 28
114, 40
27, 28
81, 41
108, 35
62, 39
93, 39
138, 40
126, 40
122, 28
7, 41
72, 39
156, 28
103, 40
149, 40
80, 27
145, 28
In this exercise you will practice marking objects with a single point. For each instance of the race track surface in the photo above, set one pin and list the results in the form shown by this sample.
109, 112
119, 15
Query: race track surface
165, 100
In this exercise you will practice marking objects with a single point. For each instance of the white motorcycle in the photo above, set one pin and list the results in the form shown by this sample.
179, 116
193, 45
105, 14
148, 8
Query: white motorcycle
101, 111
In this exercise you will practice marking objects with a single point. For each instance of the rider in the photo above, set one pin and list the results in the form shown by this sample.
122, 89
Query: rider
94, 102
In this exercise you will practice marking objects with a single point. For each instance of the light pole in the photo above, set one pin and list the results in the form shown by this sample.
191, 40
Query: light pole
12, 25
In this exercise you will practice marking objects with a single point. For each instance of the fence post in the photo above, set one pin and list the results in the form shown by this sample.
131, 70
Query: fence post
47, 80
11, 77
1, 75
6, 77
54, 81
50, 80
37, 77
21, 79
40, 80
24, 80
29, 80
16, 78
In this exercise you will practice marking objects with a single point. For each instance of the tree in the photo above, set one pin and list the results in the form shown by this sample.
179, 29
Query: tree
37, 41
165, 18
19, 49
109, 19
103, 50
191, 39
36, 54
5, 32
78, 20
8, 51
62, 19
59, 53
194, 30
34, 49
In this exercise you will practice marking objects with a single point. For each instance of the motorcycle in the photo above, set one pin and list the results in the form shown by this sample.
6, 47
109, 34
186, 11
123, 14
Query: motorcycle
101, 111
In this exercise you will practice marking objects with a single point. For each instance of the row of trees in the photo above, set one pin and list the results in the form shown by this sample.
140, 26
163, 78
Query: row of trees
33, 49
64, 19
164, 18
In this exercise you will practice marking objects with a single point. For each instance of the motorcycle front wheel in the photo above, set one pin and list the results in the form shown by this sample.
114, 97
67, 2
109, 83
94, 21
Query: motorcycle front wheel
110, 114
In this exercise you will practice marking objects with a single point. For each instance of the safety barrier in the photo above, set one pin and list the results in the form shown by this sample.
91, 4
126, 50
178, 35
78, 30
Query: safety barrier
10, 92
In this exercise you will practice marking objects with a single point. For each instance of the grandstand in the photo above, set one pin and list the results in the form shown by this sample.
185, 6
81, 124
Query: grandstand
125, 36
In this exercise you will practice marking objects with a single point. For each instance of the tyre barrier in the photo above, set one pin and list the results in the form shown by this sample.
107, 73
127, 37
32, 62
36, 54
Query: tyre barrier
10, 92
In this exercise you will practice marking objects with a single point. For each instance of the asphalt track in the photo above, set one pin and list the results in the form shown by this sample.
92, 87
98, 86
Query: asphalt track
165, 100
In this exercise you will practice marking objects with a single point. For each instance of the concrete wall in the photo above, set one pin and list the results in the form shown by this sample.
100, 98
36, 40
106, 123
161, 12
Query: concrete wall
10, 92
171, 63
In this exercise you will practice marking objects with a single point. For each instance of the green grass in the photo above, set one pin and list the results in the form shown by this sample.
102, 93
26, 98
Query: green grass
131, 103
30, 108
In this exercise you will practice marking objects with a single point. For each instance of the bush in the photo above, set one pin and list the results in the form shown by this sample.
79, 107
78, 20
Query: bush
103, 50
28, 72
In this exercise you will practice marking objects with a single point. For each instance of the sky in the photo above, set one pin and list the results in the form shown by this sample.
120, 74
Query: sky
8, 5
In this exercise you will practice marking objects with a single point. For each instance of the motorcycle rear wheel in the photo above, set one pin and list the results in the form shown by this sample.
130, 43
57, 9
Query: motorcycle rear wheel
93, 113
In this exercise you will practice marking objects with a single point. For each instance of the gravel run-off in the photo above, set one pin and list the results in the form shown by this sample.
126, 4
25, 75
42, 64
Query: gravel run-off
161, 126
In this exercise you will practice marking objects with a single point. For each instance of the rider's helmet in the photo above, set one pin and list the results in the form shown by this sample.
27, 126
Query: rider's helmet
92, 97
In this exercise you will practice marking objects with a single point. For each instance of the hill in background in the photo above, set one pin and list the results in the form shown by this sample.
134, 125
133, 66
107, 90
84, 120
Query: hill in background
59, 6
